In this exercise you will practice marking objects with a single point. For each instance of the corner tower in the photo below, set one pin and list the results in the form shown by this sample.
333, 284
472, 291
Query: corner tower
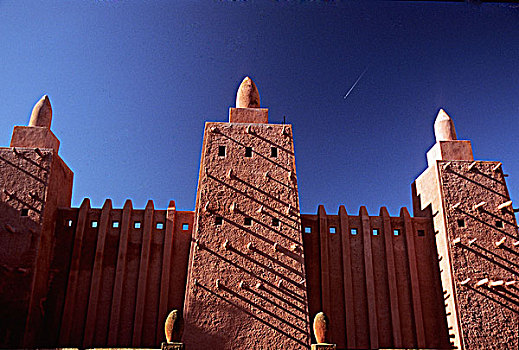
476, 238
34, 182
246, 285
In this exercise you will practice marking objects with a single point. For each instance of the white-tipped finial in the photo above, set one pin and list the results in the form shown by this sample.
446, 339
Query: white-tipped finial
41, 113
444, 127
248, 95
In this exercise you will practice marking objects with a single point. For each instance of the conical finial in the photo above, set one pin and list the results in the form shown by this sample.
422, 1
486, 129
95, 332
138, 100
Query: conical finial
320, 327
170, 325
444, 127
41, 113
248, 95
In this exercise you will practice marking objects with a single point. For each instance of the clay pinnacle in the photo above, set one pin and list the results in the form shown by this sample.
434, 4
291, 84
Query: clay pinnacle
41, 113
444, 127
248, 95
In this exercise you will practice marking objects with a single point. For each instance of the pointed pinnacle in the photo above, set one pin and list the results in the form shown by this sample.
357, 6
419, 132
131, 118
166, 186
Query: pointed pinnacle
248, 95
41, 113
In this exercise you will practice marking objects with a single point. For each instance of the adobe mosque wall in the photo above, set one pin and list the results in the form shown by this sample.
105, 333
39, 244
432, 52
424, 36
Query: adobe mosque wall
246, 268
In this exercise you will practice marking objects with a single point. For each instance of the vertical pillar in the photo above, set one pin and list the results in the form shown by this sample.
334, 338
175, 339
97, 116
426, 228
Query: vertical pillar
370, 278
120, 273
475, 237
70, 299
140, 303
347, 278
166, 270
247, 240
415, 282
325, 259
97, 273
391, 277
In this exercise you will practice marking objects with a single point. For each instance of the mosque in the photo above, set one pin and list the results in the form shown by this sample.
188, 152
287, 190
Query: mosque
246, 269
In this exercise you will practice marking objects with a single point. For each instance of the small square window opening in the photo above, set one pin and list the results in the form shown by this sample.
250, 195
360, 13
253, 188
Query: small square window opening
93, 223
160, 226
421, 233
333, 229
137, 224
461, 222
115, 224
248, 152
185, 227
308, 229
218, 221
275, 222
247, 221
25, 212
396, 232
375, 232
499, 223
273, 152
221, 151
354, 231
69, 223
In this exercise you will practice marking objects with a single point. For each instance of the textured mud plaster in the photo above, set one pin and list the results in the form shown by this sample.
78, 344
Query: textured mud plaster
246, 286
487, 311
34, 183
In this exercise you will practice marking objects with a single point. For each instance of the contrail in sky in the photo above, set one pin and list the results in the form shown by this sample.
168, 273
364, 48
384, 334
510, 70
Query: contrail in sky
355, 83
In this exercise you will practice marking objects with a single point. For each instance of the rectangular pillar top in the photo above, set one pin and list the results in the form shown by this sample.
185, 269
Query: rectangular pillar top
450, 150
248, 115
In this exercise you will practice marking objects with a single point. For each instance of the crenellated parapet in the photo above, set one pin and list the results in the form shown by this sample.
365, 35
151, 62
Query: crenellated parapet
126, 270
376, 277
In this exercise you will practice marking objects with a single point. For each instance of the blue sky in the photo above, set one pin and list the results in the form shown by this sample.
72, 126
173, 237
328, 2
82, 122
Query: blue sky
132, 83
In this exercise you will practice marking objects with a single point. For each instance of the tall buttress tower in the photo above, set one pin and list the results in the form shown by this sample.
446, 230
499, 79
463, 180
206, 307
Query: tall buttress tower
476, 238
246, 285
34, 183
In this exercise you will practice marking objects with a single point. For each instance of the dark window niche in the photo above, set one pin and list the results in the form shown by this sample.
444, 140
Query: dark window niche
421, 233
221, 151
218, 221
275, 222
247, 221
248, 152
24, 212
461, 222
499, 224
273, 152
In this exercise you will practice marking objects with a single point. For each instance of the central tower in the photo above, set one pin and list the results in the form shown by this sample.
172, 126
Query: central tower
246, 281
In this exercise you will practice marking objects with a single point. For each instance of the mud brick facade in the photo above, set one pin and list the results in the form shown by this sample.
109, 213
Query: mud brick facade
246, 269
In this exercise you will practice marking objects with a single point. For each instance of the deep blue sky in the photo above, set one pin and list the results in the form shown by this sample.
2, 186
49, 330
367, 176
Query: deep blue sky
132, 83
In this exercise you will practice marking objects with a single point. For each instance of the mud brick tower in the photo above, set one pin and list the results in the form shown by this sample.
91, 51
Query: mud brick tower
35, 182
246, 284
476, 239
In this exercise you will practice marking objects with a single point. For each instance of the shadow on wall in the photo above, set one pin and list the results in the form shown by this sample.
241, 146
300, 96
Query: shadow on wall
16, 271
234, 332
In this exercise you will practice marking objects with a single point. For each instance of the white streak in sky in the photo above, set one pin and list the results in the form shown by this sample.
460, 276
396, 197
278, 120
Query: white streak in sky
355, 83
